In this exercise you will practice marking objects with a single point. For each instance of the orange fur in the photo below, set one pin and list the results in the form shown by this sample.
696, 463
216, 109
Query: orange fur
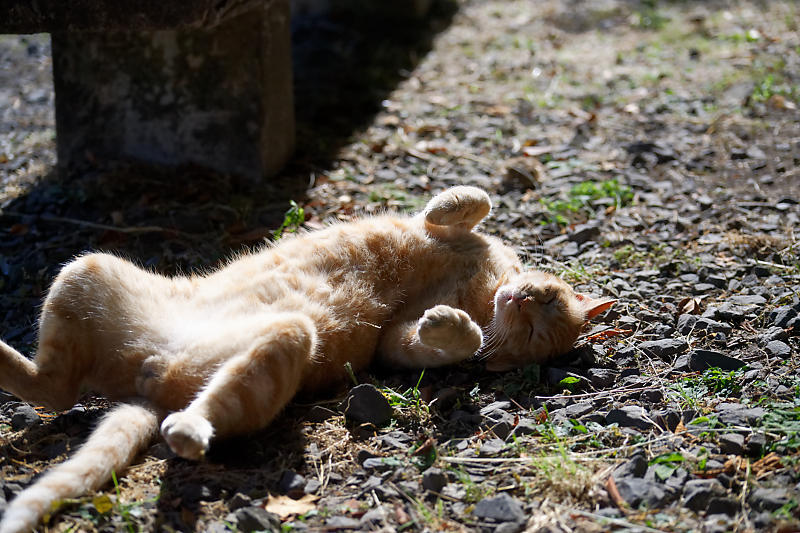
222, 354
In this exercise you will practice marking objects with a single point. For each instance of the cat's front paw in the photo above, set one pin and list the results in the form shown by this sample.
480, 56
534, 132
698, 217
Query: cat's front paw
188, 434
449, 329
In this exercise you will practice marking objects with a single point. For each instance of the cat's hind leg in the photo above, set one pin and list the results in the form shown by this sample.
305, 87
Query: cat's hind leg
51, 385
460, 207
444, 335
249, 389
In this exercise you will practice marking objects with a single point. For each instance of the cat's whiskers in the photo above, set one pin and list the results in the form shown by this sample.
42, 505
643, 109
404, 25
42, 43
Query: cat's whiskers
493, 338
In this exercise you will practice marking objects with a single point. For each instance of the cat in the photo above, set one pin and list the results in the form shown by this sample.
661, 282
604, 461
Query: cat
215, 355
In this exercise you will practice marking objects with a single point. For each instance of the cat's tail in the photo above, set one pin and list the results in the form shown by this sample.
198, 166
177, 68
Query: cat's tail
111, 447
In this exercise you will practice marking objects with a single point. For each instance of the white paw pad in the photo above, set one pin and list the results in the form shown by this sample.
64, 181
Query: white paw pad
443, 325
187, 434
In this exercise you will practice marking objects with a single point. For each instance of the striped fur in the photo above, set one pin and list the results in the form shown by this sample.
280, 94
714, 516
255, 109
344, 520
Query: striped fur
221, 354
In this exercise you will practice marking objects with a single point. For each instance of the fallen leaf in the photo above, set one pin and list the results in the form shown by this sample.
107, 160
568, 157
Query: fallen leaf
285, 507
607, 334
690, 306
102, 503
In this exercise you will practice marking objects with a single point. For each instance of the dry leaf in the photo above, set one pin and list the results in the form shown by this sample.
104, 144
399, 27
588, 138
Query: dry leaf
690, 306
285, 507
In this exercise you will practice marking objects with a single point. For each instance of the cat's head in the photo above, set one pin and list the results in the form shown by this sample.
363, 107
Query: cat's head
537, 316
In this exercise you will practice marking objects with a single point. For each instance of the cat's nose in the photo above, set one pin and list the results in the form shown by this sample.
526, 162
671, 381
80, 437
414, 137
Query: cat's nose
518, 298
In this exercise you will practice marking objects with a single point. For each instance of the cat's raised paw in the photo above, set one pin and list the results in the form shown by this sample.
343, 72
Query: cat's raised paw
446, 328
187, 434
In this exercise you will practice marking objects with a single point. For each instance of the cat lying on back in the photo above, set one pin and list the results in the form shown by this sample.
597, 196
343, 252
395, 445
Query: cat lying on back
222, 354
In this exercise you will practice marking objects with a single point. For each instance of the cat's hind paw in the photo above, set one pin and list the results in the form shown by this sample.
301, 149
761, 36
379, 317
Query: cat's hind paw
462, 207
450, 330
188, 434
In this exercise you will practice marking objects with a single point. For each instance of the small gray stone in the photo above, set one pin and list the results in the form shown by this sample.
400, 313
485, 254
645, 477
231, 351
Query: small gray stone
636, 466
378, 464
704, 359
736, 414
238, 501
254, 518
600, 378
585, 232
781, 316
637, 491
698, 492
434, 480
763, 499
756, 443
502, 508
312, 487
722, 505
365, 404
774, 333
664, 348
731, 443
23, 417
577, 410
491, 447
629, 416
778, 349
292, 483
748, 299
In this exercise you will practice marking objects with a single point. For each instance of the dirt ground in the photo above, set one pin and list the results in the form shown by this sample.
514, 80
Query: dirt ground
646, 150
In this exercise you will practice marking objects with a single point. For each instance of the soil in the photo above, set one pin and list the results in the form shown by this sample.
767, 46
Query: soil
642, 150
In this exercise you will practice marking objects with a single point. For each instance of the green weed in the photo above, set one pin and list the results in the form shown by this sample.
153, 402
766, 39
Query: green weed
411, 399
579, 199
292, 220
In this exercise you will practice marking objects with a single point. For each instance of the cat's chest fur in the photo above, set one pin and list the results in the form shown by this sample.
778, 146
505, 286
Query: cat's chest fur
350, 280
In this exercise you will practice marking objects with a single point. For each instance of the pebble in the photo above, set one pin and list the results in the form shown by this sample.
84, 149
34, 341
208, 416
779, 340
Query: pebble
434, 480
698, 492
254, 518
731, 443
736, 414
756, 443
774, 333
23, 417
778, 349
292, 484
781, 316
365, 404
704, 359
766, 499
629, 416
601, 378
636, 466
501, 508
722, 505
638, 491
664, 348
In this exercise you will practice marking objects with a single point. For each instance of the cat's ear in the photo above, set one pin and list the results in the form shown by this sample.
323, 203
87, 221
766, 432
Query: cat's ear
594, 306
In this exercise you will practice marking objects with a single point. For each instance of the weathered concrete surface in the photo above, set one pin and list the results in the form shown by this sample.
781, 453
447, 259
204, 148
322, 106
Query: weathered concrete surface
219, 97
48, 16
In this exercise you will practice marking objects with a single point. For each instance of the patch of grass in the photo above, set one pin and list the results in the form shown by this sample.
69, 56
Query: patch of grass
769, 86
410, 400
580, 197
692, 390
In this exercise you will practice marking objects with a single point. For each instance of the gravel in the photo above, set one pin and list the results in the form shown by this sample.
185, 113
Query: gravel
643, 151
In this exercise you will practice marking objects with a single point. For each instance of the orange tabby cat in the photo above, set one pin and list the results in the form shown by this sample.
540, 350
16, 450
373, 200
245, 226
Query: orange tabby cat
222, 354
